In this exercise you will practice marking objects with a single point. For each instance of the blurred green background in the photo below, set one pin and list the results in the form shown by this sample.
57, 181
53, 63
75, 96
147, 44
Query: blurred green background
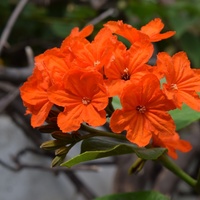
45, 23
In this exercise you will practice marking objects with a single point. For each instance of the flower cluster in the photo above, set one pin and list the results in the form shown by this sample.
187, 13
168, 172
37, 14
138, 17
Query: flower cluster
81, 77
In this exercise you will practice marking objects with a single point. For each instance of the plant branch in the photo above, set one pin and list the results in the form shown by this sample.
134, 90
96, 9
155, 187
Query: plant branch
20, 166
11, 22
97, 132
166, 162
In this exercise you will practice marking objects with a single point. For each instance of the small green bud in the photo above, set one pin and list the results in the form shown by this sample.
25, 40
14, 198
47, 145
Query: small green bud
66, 137
57, 160
62, 151
49, 128
52, 144
137, 166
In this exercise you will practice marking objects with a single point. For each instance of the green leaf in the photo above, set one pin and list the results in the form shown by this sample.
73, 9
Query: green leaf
116, 102
95, 148
183, 22
184, 117
60, 28
191, 45
144, 195
52, 144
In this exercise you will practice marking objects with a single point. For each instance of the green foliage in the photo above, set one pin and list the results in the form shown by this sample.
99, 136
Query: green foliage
198, 183
191, 44
184, 117
95, 148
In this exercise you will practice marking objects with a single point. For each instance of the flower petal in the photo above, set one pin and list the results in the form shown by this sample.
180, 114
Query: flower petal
153, 28
70, 120
37, 119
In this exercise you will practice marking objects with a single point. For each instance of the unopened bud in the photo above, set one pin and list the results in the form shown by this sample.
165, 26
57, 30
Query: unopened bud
52, 144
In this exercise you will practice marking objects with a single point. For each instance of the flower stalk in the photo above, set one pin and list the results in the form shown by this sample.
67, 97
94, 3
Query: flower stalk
169, 164
96, 132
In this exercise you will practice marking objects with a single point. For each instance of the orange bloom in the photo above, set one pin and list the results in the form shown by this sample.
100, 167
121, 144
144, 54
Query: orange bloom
172, 143
71, 42
197, 72
74, 36
49, 70
84, 98
34, 95
125, 30
182, 83
143, 112
53, 64
153, 29
98, 53
127, 65
156, 71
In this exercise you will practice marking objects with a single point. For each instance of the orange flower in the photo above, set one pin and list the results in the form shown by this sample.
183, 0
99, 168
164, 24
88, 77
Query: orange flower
155, 70
197, 72
143, 112
49, 70
153, 28
34, 95
75, 36
172, 143
98, 53
127, 65
125, 30
182, 83
53, 64
84, 97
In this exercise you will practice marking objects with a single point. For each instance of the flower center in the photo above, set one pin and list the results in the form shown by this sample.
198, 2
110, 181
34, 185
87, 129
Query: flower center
125, 76
174, 87
97, 63
86, 100
141, 109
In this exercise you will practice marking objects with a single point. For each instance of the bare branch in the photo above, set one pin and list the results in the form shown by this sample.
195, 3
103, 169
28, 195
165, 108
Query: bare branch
30, 56
15, 75
7, 99
102, 16
20, 166
11, 22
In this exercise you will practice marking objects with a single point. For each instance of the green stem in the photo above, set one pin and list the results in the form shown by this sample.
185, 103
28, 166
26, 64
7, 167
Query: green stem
96, 132
177, 170
137, 166
198, 183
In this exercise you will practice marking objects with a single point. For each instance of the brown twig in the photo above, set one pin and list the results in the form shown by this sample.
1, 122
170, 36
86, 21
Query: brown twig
20, 166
